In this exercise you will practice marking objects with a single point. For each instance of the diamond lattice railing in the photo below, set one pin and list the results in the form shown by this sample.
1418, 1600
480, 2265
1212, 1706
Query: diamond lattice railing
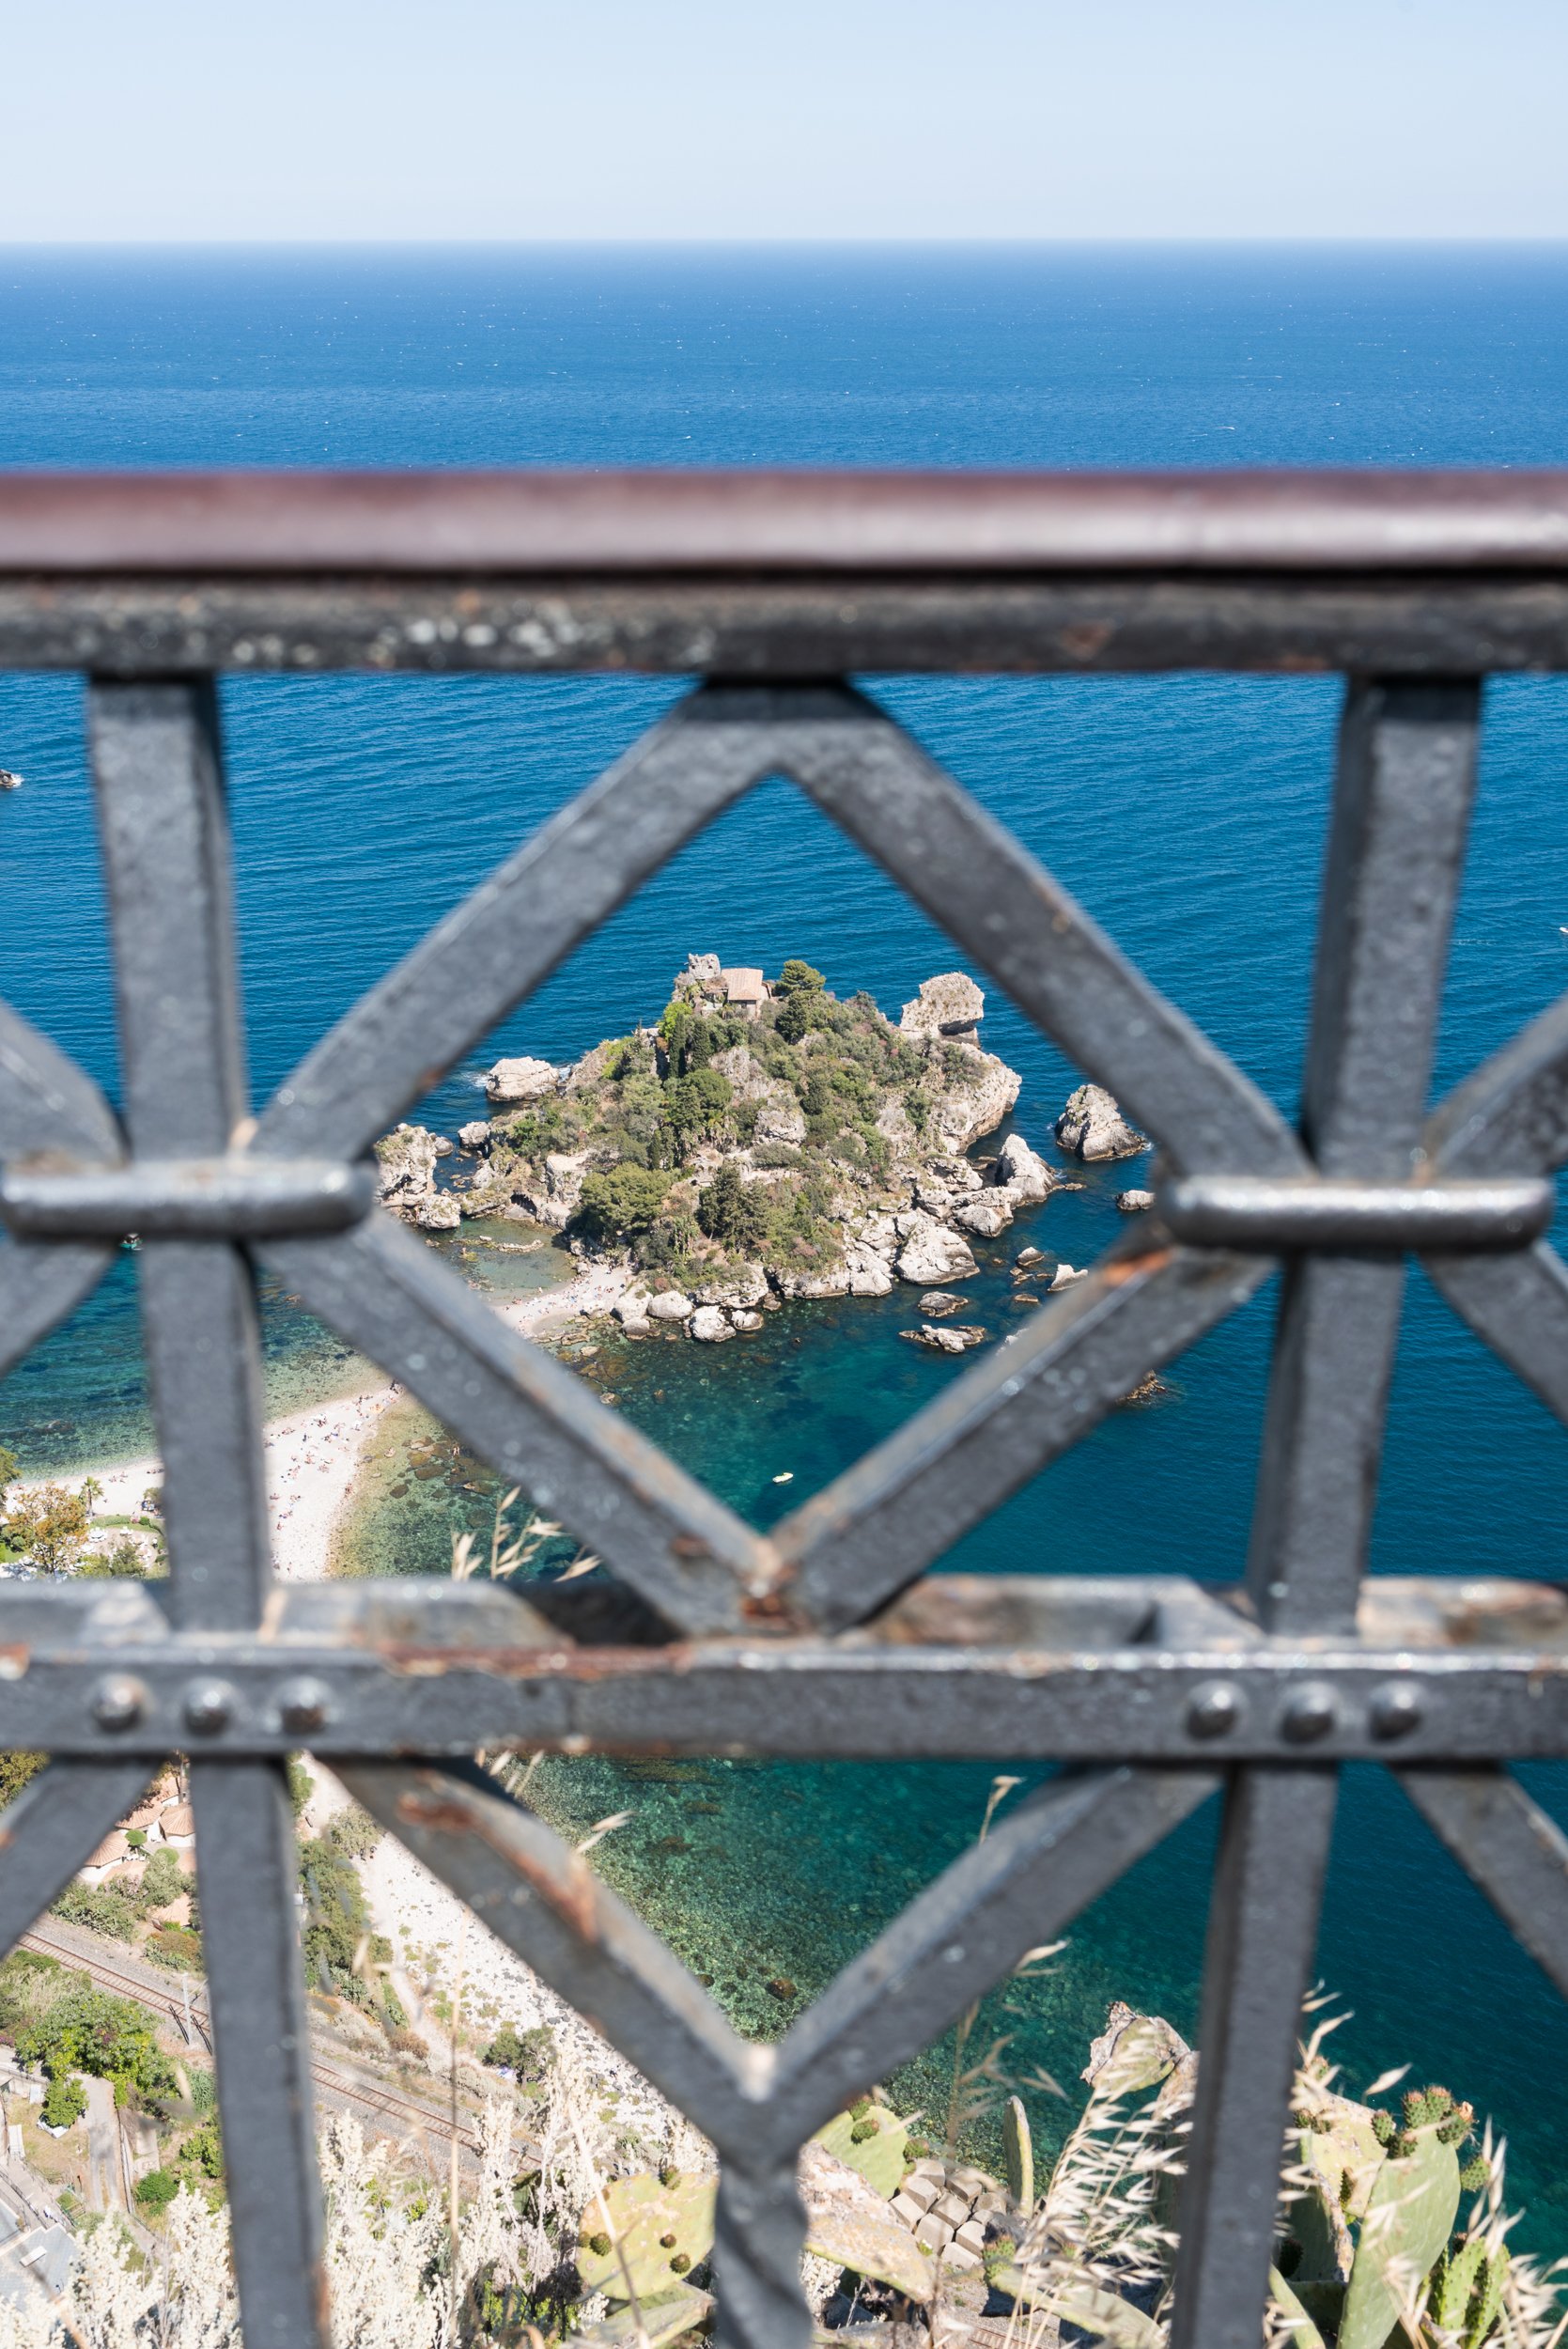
1157, 1692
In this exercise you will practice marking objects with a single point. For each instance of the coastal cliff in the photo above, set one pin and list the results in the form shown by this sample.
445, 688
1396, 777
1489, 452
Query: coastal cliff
763, 1141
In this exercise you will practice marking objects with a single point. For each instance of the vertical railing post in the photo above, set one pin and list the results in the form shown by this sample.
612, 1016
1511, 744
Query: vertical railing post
1402, 790
165, 839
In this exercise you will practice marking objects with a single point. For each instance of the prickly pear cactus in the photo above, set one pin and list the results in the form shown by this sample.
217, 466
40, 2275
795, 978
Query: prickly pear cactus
869, 2140
663, 2222
1078, 2301
1019, 2151
1454, 2283
1298, 2322
1410, 2216
1487, 2301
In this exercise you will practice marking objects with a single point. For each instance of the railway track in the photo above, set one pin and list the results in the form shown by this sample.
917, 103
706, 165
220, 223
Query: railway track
410, 2113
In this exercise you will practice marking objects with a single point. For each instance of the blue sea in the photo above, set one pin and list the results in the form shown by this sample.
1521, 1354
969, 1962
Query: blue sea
1188, 813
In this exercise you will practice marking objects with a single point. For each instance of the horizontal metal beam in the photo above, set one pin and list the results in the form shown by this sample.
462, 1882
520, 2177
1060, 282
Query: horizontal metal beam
237, 1197
1264, 1213
972, 1666
1392, 624
956, 520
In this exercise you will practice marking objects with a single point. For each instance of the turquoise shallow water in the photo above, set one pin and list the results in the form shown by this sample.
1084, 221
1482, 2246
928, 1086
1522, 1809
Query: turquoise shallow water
1188, 813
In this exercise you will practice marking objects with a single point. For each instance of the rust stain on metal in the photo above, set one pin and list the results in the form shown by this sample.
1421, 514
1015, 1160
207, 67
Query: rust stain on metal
571, 1891
1128, 1268
14, 1660
692, 1546
1087, 639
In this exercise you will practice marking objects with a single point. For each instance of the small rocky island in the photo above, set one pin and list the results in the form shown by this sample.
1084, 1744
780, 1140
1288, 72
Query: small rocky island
764, 1140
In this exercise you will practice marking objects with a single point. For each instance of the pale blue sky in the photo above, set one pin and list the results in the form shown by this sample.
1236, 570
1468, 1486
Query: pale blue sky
518, 119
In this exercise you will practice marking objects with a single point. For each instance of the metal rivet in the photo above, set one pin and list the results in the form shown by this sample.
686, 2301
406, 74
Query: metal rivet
208, 1707
1310, 1712
303, 1704
1396, 1708
118, 1702
1213, 1711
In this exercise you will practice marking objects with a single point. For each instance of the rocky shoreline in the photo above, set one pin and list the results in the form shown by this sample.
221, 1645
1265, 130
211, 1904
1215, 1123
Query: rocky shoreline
762, 1141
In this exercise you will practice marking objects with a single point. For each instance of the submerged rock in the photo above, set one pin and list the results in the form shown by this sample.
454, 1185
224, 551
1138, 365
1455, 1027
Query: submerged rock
1092, 1127
956, 1338
937, 1304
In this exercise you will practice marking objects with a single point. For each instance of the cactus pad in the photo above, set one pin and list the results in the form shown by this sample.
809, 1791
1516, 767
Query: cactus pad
1408, 2218
655, 2225
872, 2145
1018, 2151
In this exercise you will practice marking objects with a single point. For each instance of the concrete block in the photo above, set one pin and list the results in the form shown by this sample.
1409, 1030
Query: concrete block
933, 2232
971, 2235
922, 2192
953, 2206
956, 2256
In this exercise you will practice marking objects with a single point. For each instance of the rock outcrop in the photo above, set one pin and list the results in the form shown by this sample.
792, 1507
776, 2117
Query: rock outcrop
1092, 1127
930, 1253
406, 1179
948, 1005
521, 1079
1135, 1202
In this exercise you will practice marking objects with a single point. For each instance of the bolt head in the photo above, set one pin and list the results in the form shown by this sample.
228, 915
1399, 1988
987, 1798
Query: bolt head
304, 1706
118, 1702
1213, 1710
208, 1707
1395, 1709
1310, 1712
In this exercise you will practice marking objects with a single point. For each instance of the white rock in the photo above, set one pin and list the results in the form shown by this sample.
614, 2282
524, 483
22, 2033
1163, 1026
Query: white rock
521, 1079
632, 1304
987, 1213
834, 1282
948, 1005
744, 1286
439, 1212
932, 1255
1092, 1126
870, 1274
1135, 1202
1024, 1171
710, 1324
744, 1320
782, 1121
670, 1305
937, 1303
475, 1135
1065, 1274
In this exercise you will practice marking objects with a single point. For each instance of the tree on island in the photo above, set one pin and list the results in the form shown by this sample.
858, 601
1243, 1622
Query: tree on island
51, 1525
622, 1203
730, 1211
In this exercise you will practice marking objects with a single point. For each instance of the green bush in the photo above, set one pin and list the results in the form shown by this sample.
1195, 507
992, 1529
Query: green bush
65, 2101
528, 2053
202, 2152
178, 1948
157, 2190
162, 1881
622, 1203
97, 1908
15, 1771
794, 1018
88, 2030
300, 1783
353, 1832
799, 978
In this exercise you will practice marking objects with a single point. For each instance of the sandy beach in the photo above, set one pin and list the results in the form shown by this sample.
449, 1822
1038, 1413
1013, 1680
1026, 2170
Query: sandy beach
313, 1454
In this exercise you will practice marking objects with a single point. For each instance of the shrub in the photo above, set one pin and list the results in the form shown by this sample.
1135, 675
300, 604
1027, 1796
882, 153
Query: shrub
799, 978
300, 1784
408, 2042
88, 2030
65, 2101
162, 1879
157, 2190
125, 1559
624, 1202
353, 1832
15, 1770
549, 1125
50, 1525
775, 1154
100, 1909
528, 2053
178, 1948
203, 2150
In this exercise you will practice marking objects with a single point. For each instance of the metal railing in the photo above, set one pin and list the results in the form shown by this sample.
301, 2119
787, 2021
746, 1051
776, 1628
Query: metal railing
827, 1636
